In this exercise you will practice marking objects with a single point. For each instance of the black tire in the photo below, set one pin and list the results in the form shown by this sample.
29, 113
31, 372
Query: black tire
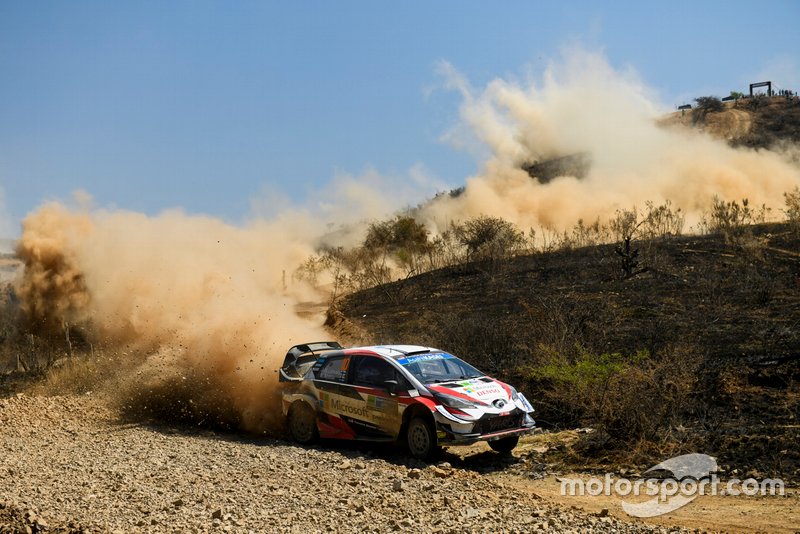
504, 444
303, 423
421, 439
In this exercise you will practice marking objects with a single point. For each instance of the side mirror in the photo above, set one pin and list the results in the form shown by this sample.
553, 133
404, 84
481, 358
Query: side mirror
391, 386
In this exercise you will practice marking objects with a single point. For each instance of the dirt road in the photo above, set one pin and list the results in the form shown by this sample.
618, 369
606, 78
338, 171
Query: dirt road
712, 513
707, 513
69, 464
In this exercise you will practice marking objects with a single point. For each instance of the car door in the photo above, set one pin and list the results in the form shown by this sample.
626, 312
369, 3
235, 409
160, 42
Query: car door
338, 401
383, 415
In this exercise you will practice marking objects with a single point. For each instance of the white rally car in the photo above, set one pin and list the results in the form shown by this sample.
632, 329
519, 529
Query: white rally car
421, 395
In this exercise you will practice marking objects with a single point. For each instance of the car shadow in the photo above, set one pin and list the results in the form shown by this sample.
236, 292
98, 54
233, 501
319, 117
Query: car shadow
394, 453
470, 458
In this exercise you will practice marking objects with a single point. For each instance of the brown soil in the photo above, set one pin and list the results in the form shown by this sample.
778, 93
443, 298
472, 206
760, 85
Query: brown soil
711, 513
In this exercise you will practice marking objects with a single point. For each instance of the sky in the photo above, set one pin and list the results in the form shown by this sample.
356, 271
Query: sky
152, 105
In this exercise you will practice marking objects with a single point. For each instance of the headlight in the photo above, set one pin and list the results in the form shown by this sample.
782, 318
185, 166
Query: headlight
514, 394
454, 402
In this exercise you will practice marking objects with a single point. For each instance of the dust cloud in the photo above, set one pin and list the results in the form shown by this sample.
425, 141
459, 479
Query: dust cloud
188, 296
199, 312
583, 105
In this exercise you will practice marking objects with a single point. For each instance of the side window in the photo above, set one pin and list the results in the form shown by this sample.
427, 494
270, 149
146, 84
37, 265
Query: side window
372, 372
334, 369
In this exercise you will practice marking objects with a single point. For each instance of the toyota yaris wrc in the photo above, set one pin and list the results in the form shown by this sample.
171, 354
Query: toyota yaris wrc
420, 395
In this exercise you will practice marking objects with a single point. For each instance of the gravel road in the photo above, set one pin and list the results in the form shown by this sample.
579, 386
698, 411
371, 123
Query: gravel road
68, 464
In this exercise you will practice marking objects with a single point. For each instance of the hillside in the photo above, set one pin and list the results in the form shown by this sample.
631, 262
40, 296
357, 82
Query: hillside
756, 123
722, 314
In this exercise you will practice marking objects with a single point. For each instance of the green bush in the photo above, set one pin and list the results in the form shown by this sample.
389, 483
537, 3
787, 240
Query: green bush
585, 370
631, 397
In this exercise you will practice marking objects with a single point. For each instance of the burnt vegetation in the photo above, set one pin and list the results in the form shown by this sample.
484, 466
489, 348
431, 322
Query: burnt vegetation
661, 342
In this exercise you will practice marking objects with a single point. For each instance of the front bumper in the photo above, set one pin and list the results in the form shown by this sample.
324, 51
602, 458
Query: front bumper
451, 430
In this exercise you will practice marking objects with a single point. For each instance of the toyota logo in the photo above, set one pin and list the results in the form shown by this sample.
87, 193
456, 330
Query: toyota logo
499, 403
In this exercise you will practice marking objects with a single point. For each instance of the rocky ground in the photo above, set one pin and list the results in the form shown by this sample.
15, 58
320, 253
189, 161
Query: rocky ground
68, 464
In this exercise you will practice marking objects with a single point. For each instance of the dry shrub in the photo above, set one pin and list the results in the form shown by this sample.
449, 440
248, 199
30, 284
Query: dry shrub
402, 247
345, 270
565, 321
757, 101
36, 353
490, 239
633, 397
403, 239
624, 224
586, 235
445, 250
662, 220
648, 230
733, 219
706, 105
79, 374
493, 346
792, 211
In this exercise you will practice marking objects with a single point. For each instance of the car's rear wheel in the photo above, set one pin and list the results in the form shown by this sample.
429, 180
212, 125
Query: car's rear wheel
421, 439
504, 444
303, 423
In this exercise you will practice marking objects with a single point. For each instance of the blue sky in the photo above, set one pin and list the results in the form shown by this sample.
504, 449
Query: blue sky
149, 105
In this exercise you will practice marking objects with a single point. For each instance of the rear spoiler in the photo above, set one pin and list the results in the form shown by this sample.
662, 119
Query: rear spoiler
299, 357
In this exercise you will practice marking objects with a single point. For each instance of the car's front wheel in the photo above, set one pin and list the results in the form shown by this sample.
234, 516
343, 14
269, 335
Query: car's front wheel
504, 444
303, 423
421, 439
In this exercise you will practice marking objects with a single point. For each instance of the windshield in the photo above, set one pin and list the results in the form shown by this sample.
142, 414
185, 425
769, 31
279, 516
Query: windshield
438, 367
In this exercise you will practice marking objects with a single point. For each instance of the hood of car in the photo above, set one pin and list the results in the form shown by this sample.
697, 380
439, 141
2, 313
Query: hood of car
485, 390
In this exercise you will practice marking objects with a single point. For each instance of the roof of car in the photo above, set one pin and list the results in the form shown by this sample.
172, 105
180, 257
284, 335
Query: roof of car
395, 351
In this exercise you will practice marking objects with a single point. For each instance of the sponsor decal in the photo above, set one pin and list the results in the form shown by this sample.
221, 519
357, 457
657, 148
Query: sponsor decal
475, 390
424, 358
339, 406
381, 404
468, 387
378, 410
479, 389
492, 391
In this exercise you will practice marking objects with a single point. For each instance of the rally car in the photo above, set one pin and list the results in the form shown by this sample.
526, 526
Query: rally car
420, 395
